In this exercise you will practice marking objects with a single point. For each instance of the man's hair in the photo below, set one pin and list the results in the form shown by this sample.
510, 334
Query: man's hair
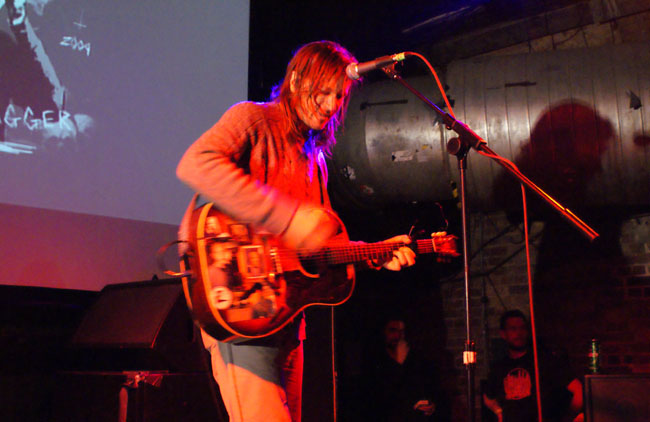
392, 316
513, 313
319, 62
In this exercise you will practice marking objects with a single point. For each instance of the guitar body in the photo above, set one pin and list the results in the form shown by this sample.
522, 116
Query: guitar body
245, 284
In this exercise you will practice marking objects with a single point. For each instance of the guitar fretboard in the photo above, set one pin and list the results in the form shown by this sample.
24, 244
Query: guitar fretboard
353, 252
359, 252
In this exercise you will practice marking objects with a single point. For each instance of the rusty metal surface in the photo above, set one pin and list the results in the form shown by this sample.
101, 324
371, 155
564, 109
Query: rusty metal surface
577, 122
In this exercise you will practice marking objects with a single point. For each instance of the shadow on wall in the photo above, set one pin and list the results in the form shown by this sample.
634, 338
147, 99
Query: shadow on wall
562, 157
578, 290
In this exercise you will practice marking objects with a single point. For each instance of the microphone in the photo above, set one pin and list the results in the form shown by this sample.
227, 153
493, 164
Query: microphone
355, 70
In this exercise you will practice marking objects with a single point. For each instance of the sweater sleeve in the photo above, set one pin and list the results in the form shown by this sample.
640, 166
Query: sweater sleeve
209, 166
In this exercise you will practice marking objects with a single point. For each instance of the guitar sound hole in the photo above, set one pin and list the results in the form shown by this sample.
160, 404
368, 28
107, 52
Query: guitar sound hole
310, 264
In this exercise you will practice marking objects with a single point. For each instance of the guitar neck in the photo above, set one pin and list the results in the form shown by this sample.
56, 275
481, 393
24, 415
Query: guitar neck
381, 251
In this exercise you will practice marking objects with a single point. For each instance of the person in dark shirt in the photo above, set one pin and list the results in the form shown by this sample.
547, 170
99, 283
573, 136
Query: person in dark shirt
510, 390
402, 384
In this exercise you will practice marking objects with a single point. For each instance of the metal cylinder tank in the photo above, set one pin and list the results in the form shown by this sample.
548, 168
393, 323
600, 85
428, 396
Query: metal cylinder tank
391, 148
576, 122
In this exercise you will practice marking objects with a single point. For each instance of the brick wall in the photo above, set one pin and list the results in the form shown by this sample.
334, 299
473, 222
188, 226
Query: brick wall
581, 291
625, 333
498, 282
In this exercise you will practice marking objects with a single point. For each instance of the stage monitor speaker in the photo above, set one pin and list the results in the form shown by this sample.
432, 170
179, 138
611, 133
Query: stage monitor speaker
617, 398
139, 326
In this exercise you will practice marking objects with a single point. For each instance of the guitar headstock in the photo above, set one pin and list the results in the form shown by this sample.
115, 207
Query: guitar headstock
444, 245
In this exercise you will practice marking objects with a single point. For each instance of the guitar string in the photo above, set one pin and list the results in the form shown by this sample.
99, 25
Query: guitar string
345, 253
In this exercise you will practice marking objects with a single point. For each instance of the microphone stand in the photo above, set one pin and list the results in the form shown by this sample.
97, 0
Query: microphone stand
459, 147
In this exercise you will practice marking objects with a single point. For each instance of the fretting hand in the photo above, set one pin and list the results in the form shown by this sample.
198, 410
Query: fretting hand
402, 257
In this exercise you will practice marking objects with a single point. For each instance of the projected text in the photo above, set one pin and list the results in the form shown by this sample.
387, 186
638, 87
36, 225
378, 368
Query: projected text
76, 44
47, 119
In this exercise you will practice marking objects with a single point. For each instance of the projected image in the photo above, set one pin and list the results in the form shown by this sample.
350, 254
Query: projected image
99, 99
32, 97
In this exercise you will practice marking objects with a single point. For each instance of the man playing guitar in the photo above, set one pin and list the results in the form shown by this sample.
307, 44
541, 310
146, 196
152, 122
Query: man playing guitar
263, 165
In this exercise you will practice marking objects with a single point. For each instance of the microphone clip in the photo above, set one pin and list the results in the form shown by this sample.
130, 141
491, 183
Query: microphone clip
391, 70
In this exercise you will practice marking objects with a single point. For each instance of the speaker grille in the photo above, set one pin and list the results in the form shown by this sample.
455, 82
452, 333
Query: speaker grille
139, 326
127, 315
